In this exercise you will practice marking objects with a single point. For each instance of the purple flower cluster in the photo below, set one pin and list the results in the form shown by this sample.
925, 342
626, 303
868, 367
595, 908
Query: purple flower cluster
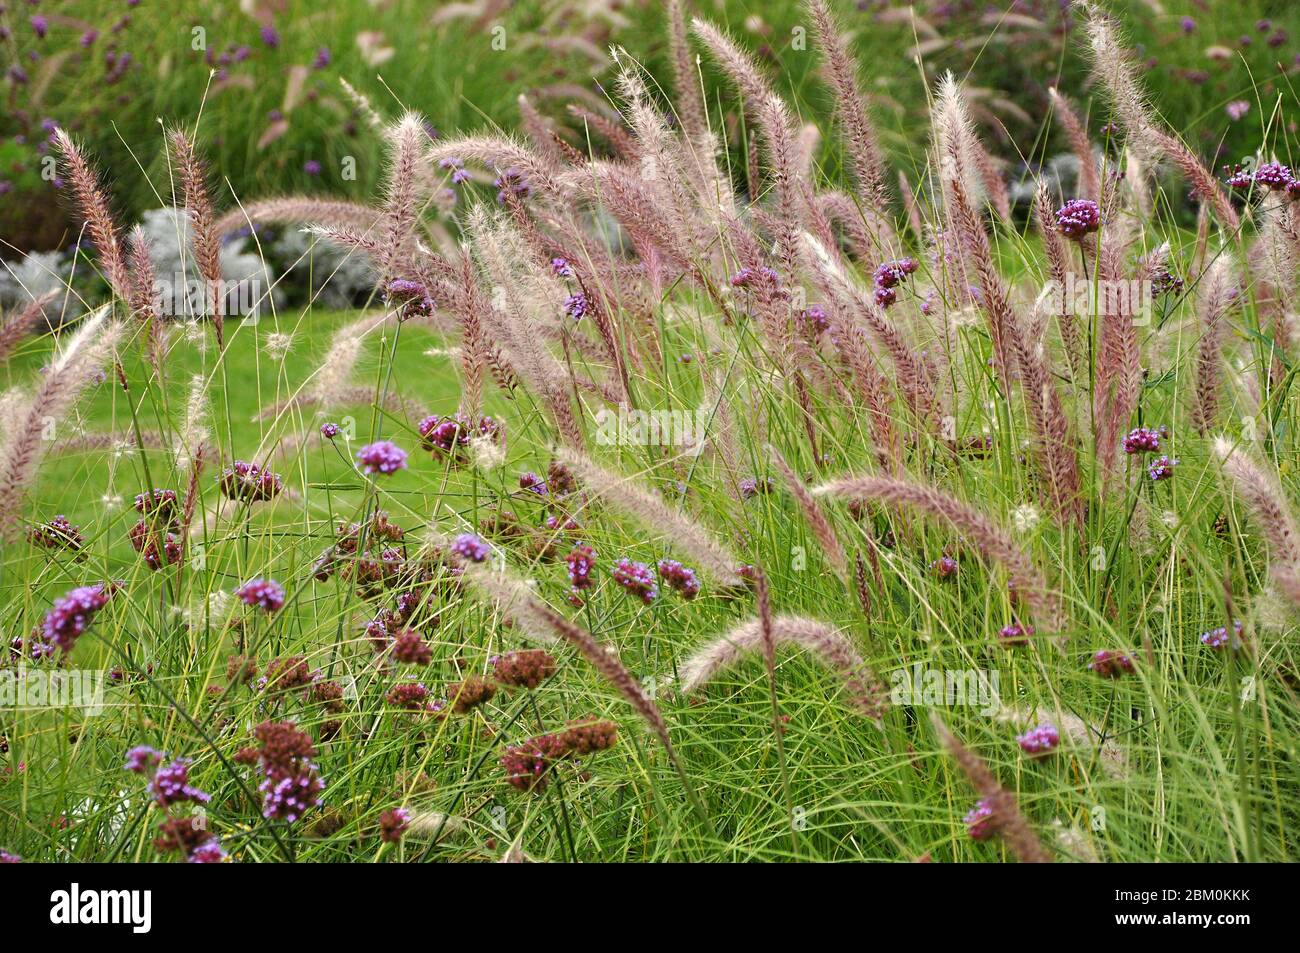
291, 783
56, 533
1144, 440
511, 183
171, 785
471, 547
527, 764
249, 482
580, 561
1161, 468
449, 436
529, 480
1015, 634
561, 268
576, 305
751, 487
1110, 664
945, 567
889, 276
981, 824
1218, 638
637, 579
73, 612
142, 758
382, 456
1078, 217
749, 277
1039, 741
265, 594
393, 824
329, 430
411, 296
813, 321
680, 578
1269, 175
209, 852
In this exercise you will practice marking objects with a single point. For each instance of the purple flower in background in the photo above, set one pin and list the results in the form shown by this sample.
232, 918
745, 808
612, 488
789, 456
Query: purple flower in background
329, 430
311, 167
1078, 217
1110, 664
1238, 177
1144, 440
1015, 634
511, 182
73, 612
580, 561
249, 482
889, 276
142, 758
322, 59
561, 268
270, 36
1237, 109
679, 578
89, 37
382, 456
980, 822
532, 482
1161, 468
1188, 25
171, 785
8, 858
637, 579
1218, 638
945, 567
40, 26
1039, 741
264, 594
209, 852
471, 547
575, 305
1274, 175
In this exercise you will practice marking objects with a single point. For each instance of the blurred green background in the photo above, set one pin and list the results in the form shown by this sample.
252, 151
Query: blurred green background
261, 80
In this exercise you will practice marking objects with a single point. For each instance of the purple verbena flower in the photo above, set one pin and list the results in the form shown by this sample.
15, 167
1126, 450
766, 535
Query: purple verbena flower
72, 614
209, 852
1218, 638
1078, 217
1161, 468
636, 579
1110, 664
1039, 741
265, 594
1015, 634
980, 821
382, 456
1274, 175
580, 560
329, 430
471, 547
270, 36
1143, 440
945, 567
171, 785
575, 305
679, 578
529, 480
142, 758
